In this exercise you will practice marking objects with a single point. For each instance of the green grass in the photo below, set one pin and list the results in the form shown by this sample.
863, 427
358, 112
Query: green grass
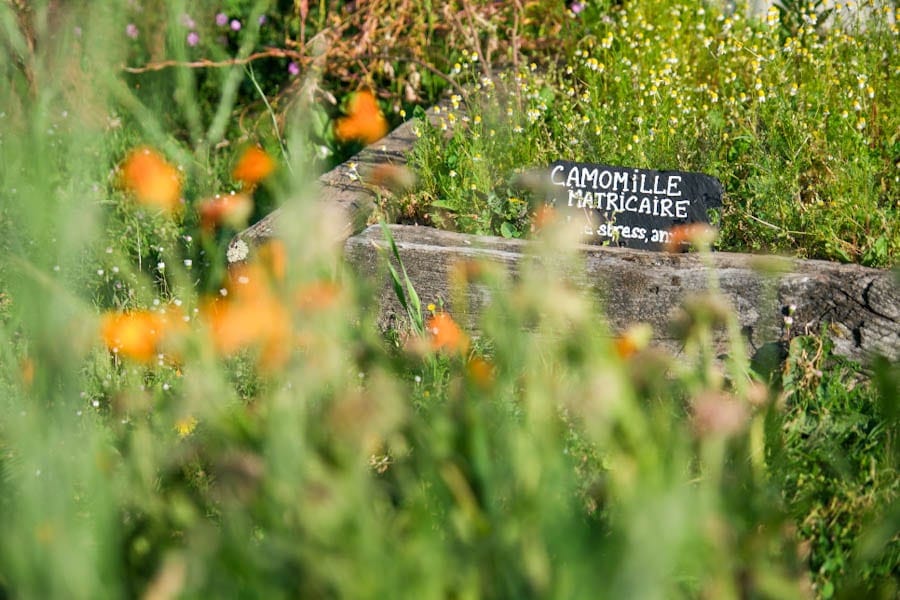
325, 458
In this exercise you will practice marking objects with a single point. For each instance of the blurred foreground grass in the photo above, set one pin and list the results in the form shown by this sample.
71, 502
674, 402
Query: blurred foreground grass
170, 429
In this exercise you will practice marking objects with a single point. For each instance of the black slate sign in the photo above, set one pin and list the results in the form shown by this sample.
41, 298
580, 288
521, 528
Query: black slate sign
636, 208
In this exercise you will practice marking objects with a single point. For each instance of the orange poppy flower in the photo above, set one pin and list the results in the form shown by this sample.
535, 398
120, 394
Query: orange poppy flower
135, 335
153, 181
544, 216
446, 334
633, 340
481, 373
253, 166
699, 235
232, 210
250, 316
364, 121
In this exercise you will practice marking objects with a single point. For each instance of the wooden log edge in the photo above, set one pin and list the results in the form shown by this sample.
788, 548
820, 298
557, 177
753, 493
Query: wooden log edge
858, 307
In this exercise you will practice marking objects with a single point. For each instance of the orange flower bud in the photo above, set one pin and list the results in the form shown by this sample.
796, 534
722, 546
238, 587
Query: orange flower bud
364, 121
633, 340
253, 166
397, 179
232, 210
718, 414
153, 181
544, 216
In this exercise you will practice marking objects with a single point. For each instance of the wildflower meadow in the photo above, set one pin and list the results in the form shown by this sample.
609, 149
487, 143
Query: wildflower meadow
187, 415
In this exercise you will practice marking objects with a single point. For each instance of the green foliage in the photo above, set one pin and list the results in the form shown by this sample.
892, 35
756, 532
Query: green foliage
840, 468
316, 456
800, 129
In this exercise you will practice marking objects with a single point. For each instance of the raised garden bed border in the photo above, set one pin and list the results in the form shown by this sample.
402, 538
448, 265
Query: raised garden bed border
858, 307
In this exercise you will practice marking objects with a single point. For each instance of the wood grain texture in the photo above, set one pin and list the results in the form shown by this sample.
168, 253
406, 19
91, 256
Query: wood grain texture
858, 307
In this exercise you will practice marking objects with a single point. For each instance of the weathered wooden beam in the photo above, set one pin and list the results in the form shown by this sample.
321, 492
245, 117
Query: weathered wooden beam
859, 307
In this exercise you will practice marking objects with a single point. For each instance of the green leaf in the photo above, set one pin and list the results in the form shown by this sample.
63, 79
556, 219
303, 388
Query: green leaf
405, 291
444, 204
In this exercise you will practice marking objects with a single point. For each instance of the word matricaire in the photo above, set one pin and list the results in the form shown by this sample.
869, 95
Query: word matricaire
618, 190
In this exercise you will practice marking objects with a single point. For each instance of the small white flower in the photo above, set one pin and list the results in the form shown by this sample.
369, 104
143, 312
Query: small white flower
188, 262
238, 251
161, 266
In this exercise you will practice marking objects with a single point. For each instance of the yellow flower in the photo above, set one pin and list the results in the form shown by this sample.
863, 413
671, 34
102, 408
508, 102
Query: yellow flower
185, 426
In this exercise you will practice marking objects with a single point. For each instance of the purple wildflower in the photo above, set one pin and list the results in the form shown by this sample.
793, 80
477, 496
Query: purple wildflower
131, 31
221, 19
263, 19
293, 69
577, 7
193, 38
187, 21
235, 25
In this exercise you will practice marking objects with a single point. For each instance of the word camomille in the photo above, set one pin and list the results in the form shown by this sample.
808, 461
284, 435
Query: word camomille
636, 208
